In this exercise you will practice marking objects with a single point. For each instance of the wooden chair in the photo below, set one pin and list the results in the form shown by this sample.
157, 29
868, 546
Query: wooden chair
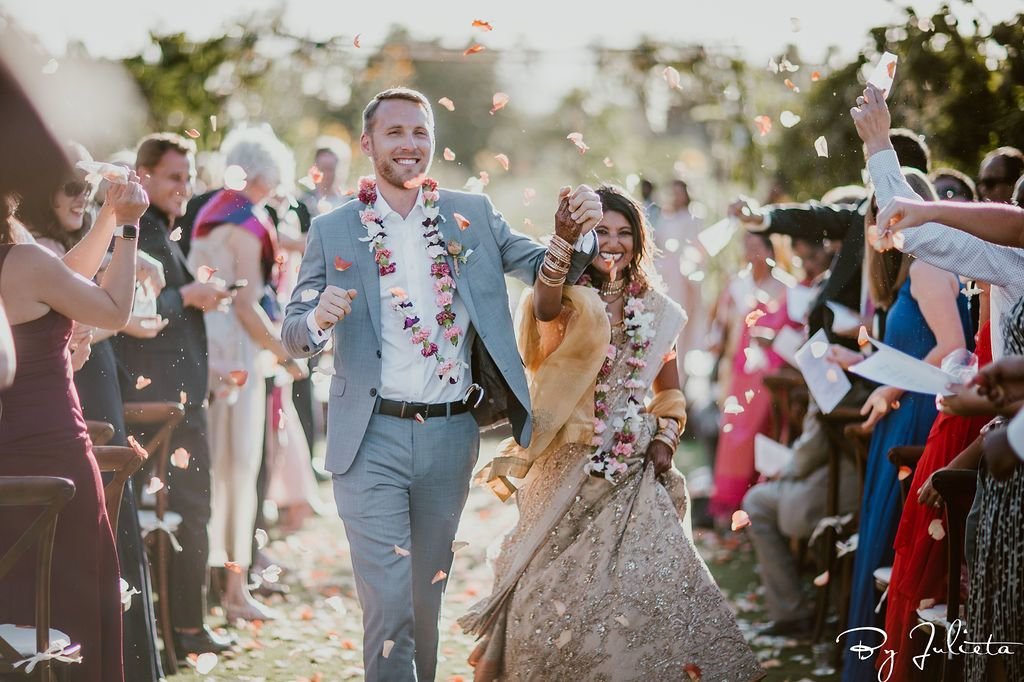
122, 462
789, 403
906, 456
158, 420
100, 433
957, 488
18, 641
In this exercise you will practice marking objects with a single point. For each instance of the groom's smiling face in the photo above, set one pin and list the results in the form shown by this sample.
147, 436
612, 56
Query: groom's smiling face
400, 141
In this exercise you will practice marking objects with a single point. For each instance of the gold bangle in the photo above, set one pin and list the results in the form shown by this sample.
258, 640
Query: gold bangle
671, 445
555, 265
550, 281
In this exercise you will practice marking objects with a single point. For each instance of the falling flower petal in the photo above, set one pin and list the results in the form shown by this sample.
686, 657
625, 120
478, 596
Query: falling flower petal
936, 529
485, 178
399, 293
671, 76
791, 85
261, 538
271, 573
481, 24
401, 551
182, 397
141, 382
461, 220
749, 395
788, 66
821, 580
818, 349
821, 146
154, 486
337, 603
693, 670
50, 67
502, 159
448, 154
127, 592
213, 122
388, 645
753, 316
740, 519
233, 567
193, 133
438, 577
239, 376
308, 295
355, 40
788, 119
175, 235
764, 124
970, 292
529, 194
732, 406
206, 662
563, 638
341, 265
862, 336
413, 183
204, 273
926, 603
577, 139
419, 418
904, 473
134, 445
315, 174
608, 162
499, 101
179, 458
473, 49
457, 545
447, 103
815, 76
234, 177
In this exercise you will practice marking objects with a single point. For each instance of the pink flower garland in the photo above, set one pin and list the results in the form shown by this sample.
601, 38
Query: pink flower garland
639, 330
444, 284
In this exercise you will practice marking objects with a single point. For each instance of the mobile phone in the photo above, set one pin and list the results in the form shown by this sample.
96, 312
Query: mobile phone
238, 285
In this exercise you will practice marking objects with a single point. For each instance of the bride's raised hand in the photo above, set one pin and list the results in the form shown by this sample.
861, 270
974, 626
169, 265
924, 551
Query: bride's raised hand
661, 455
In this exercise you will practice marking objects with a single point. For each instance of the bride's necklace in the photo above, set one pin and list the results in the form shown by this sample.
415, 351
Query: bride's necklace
613, 289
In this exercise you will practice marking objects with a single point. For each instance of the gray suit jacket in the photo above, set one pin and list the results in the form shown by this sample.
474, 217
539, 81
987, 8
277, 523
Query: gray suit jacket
497, 249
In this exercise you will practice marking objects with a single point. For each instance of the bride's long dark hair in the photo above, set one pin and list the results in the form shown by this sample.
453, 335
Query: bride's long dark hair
641, 266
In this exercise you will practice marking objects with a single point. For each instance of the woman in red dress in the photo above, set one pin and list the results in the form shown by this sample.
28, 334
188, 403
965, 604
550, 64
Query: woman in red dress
42, 432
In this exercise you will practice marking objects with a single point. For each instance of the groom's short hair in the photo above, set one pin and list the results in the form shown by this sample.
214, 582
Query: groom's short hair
408, 94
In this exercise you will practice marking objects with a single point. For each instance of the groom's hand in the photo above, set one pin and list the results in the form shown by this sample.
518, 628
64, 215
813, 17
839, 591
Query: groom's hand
334, 305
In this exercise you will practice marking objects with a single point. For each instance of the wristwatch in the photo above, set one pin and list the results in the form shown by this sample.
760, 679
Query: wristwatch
127, 231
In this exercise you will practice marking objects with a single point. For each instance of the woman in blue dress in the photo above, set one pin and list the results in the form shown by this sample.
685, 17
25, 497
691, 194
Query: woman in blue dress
926, 317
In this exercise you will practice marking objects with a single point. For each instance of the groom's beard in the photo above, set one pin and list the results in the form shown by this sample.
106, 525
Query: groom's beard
396, 174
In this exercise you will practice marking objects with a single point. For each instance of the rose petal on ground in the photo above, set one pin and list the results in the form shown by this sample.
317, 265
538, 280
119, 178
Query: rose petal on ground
461, 220
206, 662
740, 519
821, 147
563, 638
693, 670
926, 603
559, 607
502, 159
498, 101
400, 551
447, 103
448, 154
180, 457
936, 529
622, 620
271, 573
438, 577
337, 603
388, 645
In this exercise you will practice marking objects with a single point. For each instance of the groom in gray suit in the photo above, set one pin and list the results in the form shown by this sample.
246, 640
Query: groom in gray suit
409, 279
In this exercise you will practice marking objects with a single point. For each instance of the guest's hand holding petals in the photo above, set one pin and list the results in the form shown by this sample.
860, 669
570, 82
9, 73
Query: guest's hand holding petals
872, 119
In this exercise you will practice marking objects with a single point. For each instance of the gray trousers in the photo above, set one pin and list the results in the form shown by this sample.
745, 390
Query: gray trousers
406, 488
788, 508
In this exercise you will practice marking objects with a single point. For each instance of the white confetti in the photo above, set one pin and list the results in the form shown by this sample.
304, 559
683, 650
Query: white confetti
388, 646
936, 529
206, 662
788, 119
337, 603
261, 538
234, 178
821, 147
308, 295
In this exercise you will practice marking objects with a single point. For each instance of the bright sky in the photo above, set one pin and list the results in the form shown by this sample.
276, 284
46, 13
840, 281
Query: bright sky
759, 28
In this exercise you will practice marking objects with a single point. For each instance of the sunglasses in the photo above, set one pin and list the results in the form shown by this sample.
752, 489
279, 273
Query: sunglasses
76, 188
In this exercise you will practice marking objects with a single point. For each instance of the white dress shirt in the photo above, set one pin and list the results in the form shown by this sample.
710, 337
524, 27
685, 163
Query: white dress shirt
954, 250
405, 374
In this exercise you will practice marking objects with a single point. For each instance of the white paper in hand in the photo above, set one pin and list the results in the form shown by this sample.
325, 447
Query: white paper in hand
798, 302
787, 342
770, 457
717, 237
884, 73
845, 322
891, 367
825, 380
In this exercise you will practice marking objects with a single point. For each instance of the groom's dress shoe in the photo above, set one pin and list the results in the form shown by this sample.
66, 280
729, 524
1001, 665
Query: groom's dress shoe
206, 641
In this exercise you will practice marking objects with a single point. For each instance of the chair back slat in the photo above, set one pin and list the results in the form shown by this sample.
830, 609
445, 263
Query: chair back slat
957, 488
122, 462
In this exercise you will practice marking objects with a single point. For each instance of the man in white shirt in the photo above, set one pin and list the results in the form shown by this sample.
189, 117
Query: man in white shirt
409, 282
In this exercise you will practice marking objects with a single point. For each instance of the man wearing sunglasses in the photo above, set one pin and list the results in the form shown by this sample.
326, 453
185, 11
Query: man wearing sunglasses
999, 171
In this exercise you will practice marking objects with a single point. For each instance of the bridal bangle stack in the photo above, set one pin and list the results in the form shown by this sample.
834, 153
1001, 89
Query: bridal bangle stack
668, 432
556, 260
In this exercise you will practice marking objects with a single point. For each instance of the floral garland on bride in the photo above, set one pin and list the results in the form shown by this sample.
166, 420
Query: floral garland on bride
444, 285
639, 326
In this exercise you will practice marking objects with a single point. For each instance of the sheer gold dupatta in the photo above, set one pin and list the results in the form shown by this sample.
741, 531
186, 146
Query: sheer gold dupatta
562, 359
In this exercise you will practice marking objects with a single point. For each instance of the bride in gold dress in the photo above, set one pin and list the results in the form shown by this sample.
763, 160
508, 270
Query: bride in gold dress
600, 579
